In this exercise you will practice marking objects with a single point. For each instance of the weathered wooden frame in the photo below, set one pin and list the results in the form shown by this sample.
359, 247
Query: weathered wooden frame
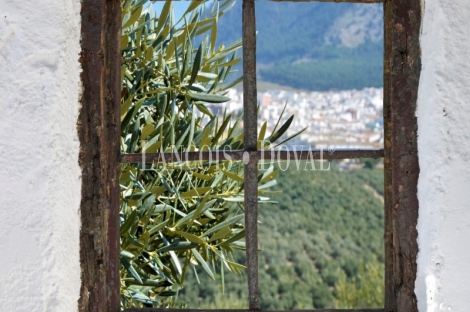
99, 127
99, 133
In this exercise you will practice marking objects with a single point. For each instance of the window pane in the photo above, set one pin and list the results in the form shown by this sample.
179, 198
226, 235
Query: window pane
324, 62
322, 243
177, 74
182, 235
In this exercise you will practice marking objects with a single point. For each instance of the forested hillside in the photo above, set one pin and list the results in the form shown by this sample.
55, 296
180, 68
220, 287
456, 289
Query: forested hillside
326, 227
315, 46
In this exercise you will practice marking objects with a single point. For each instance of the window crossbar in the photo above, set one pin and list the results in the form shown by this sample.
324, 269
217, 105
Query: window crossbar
253, 156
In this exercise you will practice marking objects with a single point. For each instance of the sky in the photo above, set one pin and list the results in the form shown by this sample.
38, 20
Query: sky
179, 7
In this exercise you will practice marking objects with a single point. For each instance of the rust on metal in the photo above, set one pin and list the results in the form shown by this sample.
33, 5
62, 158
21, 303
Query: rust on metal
401, 78
98, 131
237, 155
251, 232
250, 131
250, 96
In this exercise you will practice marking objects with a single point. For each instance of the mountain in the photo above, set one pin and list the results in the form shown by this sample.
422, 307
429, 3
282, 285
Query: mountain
314, 46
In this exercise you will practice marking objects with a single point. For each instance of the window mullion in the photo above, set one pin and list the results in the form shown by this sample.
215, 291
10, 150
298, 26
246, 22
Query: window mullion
250, 144
401, 79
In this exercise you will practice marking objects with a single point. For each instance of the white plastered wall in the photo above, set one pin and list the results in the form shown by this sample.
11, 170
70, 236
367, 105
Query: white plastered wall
39, 173
443, 281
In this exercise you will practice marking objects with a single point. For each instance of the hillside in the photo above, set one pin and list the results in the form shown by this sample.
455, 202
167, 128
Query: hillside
314, 46
325, 226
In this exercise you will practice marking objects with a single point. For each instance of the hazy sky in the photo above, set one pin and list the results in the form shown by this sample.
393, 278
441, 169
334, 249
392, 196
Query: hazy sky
179, 7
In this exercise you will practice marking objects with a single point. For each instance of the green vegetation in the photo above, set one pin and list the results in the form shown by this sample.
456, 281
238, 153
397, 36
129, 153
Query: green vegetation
176, 217
339, 73
183, 222
321, 245
364, 290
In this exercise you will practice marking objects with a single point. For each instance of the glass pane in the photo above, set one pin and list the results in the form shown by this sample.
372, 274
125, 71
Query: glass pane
322, 243
177, 77
182, 235
324, 63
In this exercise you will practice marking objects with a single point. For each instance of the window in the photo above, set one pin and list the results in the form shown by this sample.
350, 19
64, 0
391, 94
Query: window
99, 134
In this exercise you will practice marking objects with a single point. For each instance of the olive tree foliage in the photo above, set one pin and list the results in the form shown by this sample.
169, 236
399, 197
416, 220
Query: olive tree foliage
177, 216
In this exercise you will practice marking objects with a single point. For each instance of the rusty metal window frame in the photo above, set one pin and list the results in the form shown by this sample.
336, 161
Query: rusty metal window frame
99, 133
